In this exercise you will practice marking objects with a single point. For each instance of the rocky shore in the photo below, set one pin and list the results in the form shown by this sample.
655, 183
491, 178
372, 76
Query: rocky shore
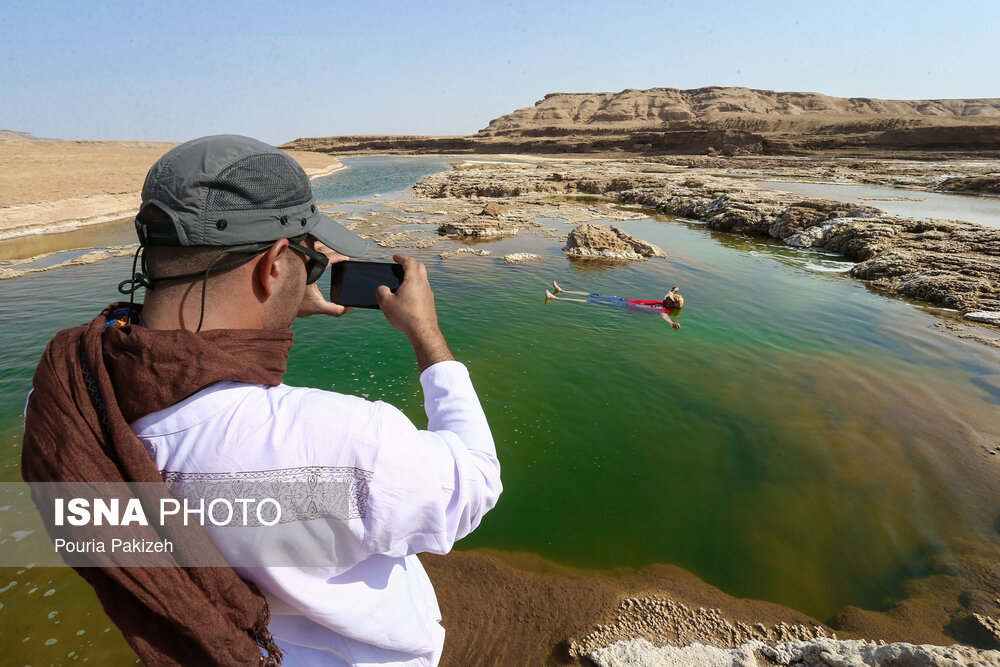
949, 263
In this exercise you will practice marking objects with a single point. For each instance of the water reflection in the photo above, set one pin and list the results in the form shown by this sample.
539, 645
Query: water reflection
981, 210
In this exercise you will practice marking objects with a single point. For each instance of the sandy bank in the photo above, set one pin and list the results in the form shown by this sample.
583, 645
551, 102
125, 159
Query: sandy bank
504, 608
54, 186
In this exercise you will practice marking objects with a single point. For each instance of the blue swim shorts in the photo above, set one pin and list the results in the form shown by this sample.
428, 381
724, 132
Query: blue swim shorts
603, 300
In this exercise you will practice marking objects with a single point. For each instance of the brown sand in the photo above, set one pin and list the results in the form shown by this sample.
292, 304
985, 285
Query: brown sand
501, 608
518, 609
50, 185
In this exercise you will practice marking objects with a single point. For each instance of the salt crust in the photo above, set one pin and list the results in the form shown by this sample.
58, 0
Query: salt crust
818, 652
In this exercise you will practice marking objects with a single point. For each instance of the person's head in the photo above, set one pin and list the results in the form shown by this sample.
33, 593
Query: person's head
255, 285
673, 299
242, 213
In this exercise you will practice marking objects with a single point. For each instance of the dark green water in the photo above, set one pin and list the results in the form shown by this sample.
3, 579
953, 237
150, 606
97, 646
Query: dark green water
801, 439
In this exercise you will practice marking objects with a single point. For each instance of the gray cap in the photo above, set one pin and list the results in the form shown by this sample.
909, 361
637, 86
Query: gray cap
228, 190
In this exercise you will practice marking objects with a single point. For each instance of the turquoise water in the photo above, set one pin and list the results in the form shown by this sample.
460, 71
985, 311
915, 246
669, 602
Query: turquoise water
982, 210
801, 439
366, 176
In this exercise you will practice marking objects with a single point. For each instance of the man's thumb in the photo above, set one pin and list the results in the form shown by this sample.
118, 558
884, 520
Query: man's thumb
382, 292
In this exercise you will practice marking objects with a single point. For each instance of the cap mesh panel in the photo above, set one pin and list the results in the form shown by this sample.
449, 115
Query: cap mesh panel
258, 181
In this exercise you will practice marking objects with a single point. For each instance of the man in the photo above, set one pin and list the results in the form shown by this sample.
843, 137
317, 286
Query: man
188, 387
662, 307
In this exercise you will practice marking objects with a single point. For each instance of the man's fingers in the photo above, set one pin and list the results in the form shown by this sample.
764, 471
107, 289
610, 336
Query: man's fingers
403, 260
314, 303
410, 266
335, 309
331, 254
382, 292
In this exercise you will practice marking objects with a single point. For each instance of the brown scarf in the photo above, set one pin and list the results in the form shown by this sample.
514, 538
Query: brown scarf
169, 615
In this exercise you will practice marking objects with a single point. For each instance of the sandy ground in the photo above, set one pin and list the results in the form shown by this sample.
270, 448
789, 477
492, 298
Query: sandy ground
61, 185
503, 608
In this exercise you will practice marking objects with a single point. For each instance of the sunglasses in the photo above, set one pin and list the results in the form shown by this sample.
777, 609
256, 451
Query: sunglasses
315, 265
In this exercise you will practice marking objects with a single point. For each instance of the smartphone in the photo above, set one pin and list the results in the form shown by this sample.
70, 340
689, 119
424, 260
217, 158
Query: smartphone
353, 283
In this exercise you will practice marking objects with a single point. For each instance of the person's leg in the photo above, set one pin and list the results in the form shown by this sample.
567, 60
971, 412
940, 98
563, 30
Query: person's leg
550, 295
558, 289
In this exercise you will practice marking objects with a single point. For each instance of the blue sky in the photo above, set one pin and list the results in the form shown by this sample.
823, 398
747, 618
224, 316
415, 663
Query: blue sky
280, 70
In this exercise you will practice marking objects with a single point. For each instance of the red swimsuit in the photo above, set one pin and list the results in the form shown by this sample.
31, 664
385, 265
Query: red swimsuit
647, 303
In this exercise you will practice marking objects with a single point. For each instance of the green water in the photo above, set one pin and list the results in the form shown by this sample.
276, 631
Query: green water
801, 439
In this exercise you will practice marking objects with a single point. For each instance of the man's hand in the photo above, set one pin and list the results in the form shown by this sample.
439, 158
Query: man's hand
313, 301
411, 310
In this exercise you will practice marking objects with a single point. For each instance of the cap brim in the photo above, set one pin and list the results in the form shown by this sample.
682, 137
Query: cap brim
338, 237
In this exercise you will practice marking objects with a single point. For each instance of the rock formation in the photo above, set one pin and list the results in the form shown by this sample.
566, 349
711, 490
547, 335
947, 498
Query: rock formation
494, 210
980, 185
656, 108
602, 242
465, 251
714, 120
519, 257
479, 226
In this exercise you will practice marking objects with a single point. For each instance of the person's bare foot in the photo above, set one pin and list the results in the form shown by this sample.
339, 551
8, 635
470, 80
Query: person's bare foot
556, 287
549, 295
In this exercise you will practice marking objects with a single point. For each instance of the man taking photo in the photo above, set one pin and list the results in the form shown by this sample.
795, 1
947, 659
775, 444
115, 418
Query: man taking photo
188, 386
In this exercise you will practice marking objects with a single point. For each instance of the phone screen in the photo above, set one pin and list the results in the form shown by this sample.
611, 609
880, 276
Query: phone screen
353, 283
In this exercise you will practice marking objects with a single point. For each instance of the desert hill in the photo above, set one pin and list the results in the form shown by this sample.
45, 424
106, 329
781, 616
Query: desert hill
665, 108
11, 135
661, 108
728, 120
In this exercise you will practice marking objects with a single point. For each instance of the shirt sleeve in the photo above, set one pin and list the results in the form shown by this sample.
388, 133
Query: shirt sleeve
432, 487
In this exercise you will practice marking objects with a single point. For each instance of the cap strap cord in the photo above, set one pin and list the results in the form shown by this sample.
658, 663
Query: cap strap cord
138, 280
134, 283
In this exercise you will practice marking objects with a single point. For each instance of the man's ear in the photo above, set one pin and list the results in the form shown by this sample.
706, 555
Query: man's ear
270, 265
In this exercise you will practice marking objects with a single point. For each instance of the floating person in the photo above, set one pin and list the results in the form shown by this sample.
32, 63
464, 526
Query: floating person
663, 307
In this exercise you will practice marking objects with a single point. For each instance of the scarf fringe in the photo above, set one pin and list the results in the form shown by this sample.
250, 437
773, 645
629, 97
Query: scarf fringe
265, 640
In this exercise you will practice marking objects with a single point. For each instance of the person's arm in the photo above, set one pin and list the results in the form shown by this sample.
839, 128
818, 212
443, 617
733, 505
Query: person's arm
430, 488
666, 317
411, 310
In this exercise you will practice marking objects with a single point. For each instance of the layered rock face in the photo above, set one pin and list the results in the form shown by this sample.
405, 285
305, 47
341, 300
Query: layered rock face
979, 185
715, 120
742, 120
491, 222
733, 107
477, 226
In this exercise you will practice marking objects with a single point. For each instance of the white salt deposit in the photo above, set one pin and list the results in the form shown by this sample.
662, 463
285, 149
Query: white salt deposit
819, 652
987, 316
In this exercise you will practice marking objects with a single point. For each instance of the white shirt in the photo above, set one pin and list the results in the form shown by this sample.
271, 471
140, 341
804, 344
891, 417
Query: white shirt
425, 490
